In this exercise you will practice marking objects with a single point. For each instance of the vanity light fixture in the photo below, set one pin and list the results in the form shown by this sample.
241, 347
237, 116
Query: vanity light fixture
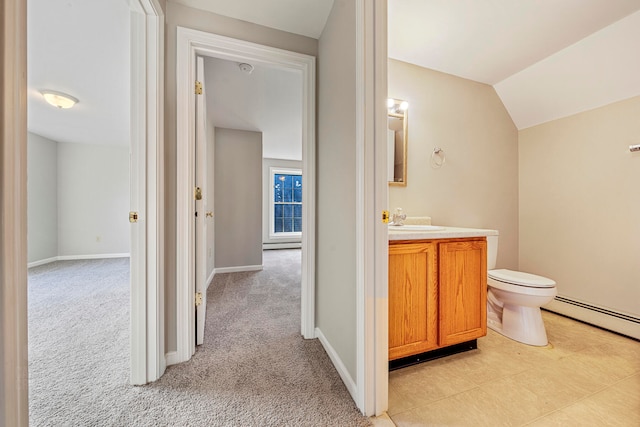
397, 107
59, 99
390, 102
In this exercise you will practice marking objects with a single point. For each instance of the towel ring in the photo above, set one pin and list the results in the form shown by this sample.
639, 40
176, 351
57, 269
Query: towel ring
437, 158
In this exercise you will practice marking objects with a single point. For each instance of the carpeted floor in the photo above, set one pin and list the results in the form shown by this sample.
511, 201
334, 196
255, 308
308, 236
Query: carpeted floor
254, 368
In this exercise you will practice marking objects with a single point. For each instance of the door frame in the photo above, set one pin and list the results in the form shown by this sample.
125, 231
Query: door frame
191, 43
147, 352
372, 240
14, 378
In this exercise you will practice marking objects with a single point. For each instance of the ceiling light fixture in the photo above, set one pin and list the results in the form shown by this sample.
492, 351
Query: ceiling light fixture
59, 99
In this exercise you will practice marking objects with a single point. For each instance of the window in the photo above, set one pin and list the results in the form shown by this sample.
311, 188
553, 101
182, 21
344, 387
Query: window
286, 202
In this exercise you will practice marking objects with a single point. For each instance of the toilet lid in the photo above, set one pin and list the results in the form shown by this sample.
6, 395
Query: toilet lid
520, 278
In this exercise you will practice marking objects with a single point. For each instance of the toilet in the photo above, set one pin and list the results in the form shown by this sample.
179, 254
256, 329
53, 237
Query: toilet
514, 299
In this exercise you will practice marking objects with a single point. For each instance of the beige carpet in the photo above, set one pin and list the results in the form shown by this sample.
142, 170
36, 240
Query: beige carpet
253, 370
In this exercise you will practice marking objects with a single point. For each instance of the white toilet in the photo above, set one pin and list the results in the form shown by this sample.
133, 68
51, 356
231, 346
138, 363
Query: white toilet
514, 300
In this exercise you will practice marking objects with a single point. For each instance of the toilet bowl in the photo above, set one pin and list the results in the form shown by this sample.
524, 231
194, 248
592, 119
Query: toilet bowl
514, 299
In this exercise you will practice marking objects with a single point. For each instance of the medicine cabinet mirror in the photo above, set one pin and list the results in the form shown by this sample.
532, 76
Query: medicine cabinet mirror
397, 141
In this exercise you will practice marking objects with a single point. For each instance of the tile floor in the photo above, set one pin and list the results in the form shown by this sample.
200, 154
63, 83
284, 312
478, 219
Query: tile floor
585, 377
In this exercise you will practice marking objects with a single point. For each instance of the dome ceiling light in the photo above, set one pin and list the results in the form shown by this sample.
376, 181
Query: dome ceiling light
59, 99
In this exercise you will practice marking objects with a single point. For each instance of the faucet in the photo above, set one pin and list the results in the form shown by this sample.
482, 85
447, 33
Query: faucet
398, 217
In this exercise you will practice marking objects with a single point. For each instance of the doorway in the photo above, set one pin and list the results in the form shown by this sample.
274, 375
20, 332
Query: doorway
190, 44
14, 206
138, 125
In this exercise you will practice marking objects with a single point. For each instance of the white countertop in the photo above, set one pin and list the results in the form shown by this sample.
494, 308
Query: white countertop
396, 233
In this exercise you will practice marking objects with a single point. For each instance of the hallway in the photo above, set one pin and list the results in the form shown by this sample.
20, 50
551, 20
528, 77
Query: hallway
254, 368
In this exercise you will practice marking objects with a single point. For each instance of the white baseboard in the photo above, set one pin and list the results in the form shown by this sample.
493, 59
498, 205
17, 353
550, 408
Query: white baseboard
172, 358
92, 256
591, 314
74, 257
42, 262
238, 269
337, 362
210, 278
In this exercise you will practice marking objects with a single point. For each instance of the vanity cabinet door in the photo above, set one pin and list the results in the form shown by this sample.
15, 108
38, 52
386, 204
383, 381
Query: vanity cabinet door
413, 299
463, 291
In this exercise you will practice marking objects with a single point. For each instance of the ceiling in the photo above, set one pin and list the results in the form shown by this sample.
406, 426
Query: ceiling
303, 17
71, 51
271, 103
490, 40
545, 58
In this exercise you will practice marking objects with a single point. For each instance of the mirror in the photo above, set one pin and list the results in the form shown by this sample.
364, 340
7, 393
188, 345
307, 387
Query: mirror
397, 141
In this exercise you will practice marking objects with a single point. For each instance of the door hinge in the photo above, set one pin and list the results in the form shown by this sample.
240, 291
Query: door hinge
198, 89
198, 299
385, 217
197, 193
133, 216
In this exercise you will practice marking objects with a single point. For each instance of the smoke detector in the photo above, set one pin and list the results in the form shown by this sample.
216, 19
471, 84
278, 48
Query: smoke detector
246, 68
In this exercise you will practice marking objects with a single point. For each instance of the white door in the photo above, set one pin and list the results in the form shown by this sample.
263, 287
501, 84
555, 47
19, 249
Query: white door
147, 352
137, 196
201, 202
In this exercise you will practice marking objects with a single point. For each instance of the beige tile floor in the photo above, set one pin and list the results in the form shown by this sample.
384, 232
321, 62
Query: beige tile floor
585, 377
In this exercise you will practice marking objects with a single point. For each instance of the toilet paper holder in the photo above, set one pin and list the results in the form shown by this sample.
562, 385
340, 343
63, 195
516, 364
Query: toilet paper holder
633, 148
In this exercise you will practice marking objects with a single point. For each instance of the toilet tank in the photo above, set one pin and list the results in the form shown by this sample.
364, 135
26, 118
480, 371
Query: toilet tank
492, 252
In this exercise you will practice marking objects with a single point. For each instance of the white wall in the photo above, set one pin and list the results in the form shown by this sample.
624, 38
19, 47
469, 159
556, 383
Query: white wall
478, 184
336, 180
42, 198
580, 205
238, 193
266, 195
93, 199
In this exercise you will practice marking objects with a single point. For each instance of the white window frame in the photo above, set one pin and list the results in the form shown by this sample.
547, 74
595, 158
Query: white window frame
272, 172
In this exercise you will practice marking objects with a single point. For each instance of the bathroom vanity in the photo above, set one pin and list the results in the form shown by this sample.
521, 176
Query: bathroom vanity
437, 291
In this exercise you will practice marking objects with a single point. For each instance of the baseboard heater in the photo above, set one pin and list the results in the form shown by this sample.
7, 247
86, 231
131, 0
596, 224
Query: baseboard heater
622, 323
433, 354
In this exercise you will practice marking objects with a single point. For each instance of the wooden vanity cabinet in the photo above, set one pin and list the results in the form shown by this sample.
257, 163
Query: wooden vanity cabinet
437, 294
413, 299
463, 291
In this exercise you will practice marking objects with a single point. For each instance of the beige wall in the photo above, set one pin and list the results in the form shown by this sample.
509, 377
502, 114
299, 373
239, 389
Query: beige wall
77, 194
238, 194
178, 15
93, 199
210, 197
336, 179
580, 205
478, 184
42, 198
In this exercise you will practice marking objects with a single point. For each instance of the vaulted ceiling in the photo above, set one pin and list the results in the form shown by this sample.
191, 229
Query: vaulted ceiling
545, 58
270, 102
